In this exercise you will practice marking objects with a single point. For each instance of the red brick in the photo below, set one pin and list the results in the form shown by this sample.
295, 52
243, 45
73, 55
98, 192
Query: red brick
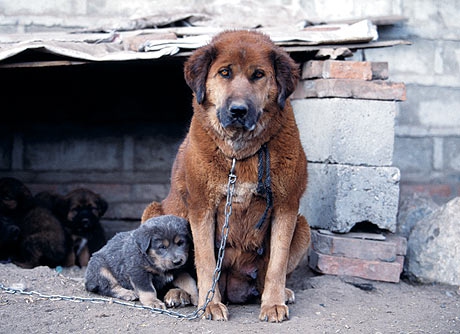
348, 70
341, 245
312, 69
343, 266
399, 241
348, 88
337, 69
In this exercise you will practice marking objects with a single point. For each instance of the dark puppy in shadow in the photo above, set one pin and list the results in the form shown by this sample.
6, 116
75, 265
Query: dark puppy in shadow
80, 212
31, 234
143, 263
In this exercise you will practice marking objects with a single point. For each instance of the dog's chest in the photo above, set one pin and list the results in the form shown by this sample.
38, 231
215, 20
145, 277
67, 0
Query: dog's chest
243, 192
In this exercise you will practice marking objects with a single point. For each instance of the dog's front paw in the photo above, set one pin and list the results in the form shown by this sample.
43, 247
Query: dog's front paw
274, 313
150, 299
216, 311
155, 304
176, 298
126, 294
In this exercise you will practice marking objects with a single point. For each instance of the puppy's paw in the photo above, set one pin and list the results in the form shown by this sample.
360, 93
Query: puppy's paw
150, 299
274, 313
289, 296
124, 294
177, 298
216, 311
154, 303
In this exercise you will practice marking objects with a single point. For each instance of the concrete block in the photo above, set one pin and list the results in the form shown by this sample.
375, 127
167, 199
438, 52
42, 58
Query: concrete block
339, 196
70, 154
347, 131
6, 148
414, 155
343, 266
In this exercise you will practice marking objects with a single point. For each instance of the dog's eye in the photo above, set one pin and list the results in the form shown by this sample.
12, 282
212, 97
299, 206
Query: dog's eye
224, 73
180, 243
258, 74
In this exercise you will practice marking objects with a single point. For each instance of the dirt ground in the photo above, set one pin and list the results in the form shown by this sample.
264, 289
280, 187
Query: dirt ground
324, 304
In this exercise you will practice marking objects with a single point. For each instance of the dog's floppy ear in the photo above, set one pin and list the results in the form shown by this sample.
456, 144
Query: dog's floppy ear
144, 239
102, 206
196, 70
287, 75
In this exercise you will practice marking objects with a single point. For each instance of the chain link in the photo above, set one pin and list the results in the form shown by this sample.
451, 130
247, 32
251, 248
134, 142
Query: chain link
191, 316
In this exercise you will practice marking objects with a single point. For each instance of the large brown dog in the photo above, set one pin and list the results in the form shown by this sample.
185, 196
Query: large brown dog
241, 83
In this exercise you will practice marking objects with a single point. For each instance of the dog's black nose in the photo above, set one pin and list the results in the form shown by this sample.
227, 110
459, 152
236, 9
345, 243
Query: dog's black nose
238, 110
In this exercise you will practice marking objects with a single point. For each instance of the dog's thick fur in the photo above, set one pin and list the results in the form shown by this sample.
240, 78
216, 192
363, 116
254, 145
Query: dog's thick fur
241, 83
36, 236
139, 264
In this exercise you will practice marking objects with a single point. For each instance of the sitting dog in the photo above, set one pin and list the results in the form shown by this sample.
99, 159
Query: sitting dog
36, 236
140, 264
243, 129
80, 212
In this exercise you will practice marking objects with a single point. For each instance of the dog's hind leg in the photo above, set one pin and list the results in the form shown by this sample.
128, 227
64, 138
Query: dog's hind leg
154, 209
104, 283
300, 243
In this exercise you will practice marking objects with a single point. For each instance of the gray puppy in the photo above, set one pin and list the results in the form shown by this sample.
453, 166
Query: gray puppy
140, 264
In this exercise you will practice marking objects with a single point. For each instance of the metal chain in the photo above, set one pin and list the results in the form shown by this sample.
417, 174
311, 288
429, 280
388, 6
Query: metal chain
209, 295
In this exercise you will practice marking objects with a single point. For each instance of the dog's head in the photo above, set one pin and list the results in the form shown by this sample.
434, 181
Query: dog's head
166, 240
15, 197
240, 76
81, 210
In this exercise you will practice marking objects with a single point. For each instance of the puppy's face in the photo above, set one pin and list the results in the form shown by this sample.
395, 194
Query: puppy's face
169, 252
166, 240
82, 210
14, 196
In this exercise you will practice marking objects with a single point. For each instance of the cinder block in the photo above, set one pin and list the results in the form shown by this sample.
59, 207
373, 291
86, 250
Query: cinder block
345, 245
347, 131
351, 88
343, 266
339, 196
71, 154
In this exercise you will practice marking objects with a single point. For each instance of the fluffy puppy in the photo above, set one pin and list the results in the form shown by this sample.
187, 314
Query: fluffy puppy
80, 212
36, 237
140, 264
9, 234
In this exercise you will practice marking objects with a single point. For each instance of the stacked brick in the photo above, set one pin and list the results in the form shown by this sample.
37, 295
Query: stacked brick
375, 257
345, 111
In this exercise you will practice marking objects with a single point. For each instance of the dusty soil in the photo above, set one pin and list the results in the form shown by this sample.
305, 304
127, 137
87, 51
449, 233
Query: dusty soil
324, 304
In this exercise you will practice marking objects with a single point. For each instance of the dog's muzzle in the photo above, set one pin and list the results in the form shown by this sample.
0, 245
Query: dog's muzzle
238, 114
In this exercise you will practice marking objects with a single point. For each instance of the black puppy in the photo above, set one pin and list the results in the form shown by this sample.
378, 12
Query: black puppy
9, 235
140, 264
